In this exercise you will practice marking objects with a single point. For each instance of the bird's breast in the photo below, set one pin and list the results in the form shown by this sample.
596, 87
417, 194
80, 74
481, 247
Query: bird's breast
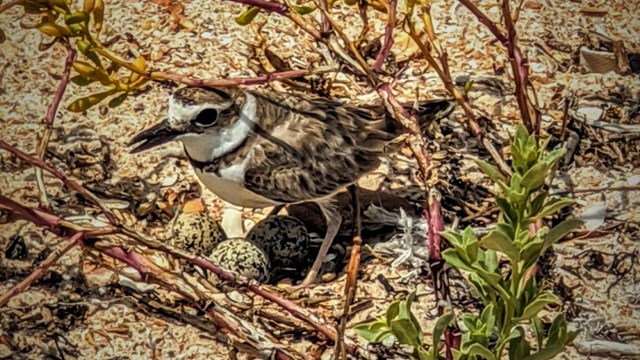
228, 184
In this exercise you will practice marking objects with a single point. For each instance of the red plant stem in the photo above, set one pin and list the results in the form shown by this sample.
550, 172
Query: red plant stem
64, 81
60, 176
436, 225
518, 62
48, 262
484, 19
388, 36
28, 214
52, 110
54, 224
265, 4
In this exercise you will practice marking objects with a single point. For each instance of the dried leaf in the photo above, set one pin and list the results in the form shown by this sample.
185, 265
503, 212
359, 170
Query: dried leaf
193, 206
3, 37
305, 9
75, 18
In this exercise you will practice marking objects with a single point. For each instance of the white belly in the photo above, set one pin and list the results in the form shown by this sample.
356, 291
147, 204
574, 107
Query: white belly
233, 192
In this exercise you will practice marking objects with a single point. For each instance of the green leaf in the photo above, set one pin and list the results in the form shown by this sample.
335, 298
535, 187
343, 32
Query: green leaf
507, 210
537, 202
247, 16
393, 311
531, 251
498, 241
118, 100
488, 318
534, 307
51, 29
438, 330
534, 178
492, 172
87, 50
538, 329
552, 207
551, 157
561, 230
76, 18
81, 80
373, 332
85, 103
405, 332
305, 9
98, 14
547, 353
518, 346
452, 258
490, 261
477, 349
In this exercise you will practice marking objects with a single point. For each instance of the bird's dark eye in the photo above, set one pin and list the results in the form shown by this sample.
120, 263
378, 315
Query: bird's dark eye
206, 118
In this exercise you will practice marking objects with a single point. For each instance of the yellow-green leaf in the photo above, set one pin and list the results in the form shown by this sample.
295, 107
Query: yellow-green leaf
247, 16
50, 29
88, 6
81, 80
91, 72
85, 103
98, 15
75, 18
116, 101
305, 9
140, 64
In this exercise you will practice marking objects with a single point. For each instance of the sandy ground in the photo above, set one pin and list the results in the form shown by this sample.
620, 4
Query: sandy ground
83, 312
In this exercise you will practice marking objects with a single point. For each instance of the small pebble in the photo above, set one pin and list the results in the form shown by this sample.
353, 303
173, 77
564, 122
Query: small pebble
326, 277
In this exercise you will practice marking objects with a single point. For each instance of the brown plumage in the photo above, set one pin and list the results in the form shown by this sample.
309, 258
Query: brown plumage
260, 148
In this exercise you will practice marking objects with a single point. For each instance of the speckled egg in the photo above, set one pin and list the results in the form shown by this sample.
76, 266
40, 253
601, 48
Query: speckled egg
284, 238
196, 232
242, 257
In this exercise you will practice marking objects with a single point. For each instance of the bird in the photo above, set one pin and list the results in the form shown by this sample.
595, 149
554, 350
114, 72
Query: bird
257, 148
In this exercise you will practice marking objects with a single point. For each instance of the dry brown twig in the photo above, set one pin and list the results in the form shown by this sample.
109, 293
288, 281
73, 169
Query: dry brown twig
58, 226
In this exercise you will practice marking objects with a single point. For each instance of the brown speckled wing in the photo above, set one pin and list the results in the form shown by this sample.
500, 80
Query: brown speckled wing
328, 146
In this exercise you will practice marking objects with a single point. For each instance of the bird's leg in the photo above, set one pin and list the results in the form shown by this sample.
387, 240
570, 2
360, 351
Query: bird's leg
276, 209
333, 219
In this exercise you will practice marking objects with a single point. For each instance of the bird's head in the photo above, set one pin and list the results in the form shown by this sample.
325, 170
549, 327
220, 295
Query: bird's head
206, 121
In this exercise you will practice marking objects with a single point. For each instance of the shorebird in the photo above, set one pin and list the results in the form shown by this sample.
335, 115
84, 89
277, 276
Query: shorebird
258, 148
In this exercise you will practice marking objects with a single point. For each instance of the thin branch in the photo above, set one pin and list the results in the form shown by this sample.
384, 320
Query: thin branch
351, 281
50, 119
388, 35
58, 226
265, 5
60, 176
41, 269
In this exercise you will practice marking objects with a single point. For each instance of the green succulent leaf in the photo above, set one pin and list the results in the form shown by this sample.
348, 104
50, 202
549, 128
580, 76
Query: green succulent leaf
76, 18
81, 80
518, 346
247, 16
534, 178
537, 305
492, 172
118, 100
498, 241
477, 349
305, 9
406, 333
438, 331
561, 230
373, 332
538, 329
85, 103
552, 207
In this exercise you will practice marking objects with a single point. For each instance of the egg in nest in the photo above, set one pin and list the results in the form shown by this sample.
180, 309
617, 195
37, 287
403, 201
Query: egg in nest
242, 257
285, 239
196, 232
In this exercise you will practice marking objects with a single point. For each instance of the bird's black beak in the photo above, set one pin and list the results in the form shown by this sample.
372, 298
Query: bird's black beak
152, 137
